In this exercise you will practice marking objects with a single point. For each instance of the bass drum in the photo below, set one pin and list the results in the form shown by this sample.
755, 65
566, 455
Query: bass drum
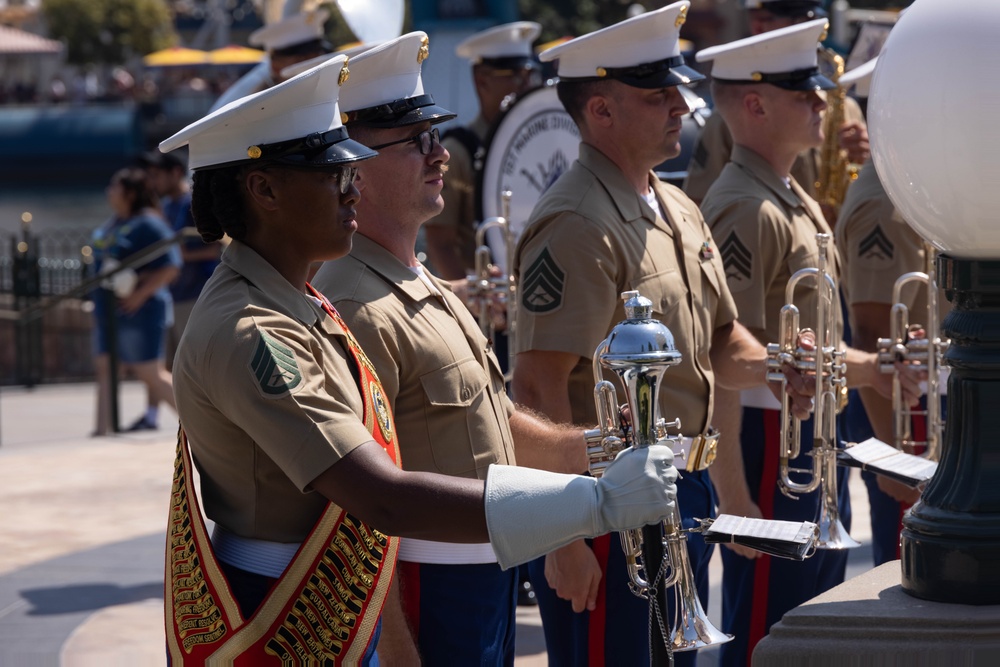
531, 144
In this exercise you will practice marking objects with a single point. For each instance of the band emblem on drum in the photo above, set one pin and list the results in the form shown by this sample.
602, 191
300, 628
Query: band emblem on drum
542, 284
737, 262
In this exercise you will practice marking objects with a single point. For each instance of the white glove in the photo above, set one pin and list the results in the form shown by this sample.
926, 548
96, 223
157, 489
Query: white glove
532, 512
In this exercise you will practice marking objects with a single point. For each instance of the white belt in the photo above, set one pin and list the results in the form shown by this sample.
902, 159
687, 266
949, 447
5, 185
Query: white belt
759, 397
445, 553
943, 374
258, 556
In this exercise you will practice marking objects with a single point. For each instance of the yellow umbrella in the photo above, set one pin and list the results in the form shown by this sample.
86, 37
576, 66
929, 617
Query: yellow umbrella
175, 55
235, 55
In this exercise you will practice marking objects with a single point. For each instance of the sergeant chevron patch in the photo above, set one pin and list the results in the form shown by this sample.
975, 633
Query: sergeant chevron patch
737, 262
876, 247
542, 284
274, 367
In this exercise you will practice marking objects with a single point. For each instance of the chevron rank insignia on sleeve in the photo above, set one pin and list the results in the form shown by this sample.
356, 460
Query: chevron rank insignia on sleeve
542, 284
737, 261
876, 248
274, 367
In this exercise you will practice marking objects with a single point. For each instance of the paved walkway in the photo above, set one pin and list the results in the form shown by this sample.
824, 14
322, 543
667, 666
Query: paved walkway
82, 523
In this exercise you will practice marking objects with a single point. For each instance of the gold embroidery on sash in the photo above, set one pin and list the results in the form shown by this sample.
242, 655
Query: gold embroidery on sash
325, 614
199, 620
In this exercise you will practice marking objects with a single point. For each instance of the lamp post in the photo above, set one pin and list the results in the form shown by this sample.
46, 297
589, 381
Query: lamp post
936, 145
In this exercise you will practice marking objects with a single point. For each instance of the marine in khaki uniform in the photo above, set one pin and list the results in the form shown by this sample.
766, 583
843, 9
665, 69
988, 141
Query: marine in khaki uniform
715, 144
288, 425
503, 63
605, 226
767, 89
441, 379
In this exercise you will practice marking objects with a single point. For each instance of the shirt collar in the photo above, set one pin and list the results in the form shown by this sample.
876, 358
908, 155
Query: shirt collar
387, 265
759, 168
245, 261
629, 203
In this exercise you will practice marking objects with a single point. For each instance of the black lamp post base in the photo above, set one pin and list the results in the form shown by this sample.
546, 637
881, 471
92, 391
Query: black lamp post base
950, 545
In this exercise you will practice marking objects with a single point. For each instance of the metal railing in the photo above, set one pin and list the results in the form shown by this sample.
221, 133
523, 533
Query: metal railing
49, 278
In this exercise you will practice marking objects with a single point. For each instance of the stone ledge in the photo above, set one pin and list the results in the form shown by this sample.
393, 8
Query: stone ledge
869, 620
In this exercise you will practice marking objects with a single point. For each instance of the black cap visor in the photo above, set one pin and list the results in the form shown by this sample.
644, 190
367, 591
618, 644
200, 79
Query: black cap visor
659, 74
511, 62
400, 113
312, 47
796, 10
803, 79
318, 150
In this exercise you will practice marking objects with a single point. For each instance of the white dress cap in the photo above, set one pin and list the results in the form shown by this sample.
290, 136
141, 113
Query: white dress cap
295, 122
296, 29
510, 40
643, 51
350, 50
860, 77
386, 89
785, 58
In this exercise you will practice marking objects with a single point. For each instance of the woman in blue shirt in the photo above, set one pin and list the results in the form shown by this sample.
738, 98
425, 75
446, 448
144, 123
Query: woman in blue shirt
142, 309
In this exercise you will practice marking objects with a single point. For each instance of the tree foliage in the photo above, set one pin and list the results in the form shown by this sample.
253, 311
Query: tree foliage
109, 31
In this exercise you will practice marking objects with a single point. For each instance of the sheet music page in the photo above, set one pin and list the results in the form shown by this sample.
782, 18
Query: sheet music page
782, 531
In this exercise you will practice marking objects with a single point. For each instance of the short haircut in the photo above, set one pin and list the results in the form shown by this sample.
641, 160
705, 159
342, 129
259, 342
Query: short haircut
574, 95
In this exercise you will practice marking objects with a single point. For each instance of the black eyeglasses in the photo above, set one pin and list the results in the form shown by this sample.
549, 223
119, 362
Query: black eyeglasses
346, 176
426, 140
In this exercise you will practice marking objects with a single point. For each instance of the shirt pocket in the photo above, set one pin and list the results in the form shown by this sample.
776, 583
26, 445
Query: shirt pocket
666, 289
456, 397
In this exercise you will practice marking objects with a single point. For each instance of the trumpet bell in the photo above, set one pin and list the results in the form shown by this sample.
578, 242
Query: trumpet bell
833, 536
691, 629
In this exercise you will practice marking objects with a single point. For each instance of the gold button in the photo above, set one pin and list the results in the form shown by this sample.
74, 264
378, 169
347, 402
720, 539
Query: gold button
254, 152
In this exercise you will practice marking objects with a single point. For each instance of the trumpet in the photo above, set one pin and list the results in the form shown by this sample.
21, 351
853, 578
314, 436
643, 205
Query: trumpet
485, 288
826, 363
640, 350
929, 351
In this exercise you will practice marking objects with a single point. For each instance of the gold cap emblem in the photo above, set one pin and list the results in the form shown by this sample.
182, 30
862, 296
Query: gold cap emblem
757, 76
253, 152
345, 74
425, 50
343, 118
681, 17
602, 72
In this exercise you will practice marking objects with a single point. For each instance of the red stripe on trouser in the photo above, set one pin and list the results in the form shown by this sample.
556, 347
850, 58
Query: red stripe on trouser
597, 623
765, 500
408, 580
918, 431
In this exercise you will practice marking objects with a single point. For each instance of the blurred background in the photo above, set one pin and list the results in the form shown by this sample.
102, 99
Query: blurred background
87, 85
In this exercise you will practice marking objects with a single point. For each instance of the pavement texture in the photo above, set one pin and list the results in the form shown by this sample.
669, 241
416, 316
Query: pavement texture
82, 522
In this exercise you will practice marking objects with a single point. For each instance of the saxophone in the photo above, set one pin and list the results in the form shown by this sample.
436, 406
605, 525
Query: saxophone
836, 172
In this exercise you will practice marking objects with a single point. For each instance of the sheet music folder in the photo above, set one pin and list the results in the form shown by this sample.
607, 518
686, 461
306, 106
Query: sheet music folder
785, 539
883, 459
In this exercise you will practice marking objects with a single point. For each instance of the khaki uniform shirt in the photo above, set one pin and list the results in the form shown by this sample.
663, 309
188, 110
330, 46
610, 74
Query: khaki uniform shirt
443, 383
591, 237
460, 193
715, 144
878, 247
766, 232
266, 392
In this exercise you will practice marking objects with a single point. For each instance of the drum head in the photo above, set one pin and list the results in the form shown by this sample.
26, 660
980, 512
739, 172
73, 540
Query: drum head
531, 145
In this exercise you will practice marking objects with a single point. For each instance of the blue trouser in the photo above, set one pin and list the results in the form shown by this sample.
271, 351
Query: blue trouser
616, 632
461, 614
886, 513
757, 593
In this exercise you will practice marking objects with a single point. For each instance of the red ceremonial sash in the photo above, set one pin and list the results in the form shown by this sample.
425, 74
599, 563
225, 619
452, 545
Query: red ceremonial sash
325, 607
